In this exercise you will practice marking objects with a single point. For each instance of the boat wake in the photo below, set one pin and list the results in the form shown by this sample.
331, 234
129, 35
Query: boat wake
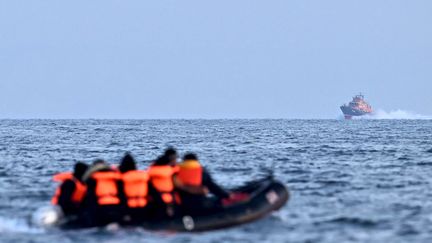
14, 225
394, 115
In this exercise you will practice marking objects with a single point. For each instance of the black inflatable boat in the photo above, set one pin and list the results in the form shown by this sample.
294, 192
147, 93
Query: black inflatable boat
263, 197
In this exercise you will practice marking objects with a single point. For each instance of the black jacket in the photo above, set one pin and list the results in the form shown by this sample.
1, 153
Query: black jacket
196, 203
67, 190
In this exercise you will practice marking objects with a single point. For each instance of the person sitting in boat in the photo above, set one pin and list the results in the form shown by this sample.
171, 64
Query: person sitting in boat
70, 194
191, 174
161, 187
135, 187
104, 195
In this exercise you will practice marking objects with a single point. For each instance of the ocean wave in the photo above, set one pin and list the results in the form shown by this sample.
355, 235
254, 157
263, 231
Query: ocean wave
353, 221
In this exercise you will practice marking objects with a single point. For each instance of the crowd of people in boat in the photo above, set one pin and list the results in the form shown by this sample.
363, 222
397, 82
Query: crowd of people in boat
100, 193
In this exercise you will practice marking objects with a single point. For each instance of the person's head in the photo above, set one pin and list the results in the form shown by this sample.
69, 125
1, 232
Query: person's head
162, 160
172, 155
127, 163
79, 169
190, 156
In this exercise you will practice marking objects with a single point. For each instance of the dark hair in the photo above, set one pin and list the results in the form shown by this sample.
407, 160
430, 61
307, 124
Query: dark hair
170, 152
190, 156
162, 160
79, 169
127, 163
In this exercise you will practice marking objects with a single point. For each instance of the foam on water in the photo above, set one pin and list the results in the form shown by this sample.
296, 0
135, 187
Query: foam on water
17, 225
394, 115
47, 216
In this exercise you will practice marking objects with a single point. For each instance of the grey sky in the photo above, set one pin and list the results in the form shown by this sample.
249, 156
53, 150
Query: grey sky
218, 59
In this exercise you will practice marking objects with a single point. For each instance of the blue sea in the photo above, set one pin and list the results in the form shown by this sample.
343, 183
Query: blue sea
350, 181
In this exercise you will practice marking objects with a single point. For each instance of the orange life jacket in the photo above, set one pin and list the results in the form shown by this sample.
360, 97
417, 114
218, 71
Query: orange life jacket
80, 188
161, 177
190, 173
136, 188
106, 187
176, 168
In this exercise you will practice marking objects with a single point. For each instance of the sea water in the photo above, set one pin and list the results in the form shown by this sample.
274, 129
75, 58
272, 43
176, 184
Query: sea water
350, 181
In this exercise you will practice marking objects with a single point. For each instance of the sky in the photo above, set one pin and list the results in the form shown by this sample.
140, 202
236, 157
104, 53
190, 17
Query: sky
212, 59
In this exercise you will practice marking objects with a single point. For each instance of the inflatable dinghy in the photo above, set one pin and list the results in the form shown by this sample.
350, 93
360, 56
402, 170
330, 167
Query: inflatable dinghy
264, 197
261, 198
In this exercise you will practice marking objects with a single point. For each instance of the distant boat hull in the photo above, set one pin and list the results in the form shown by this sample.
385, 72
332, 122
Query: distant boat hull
349, 112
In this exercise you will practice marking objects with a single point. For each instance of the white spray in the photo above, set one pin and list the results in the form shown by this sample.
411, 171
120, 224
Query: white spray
393, 115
